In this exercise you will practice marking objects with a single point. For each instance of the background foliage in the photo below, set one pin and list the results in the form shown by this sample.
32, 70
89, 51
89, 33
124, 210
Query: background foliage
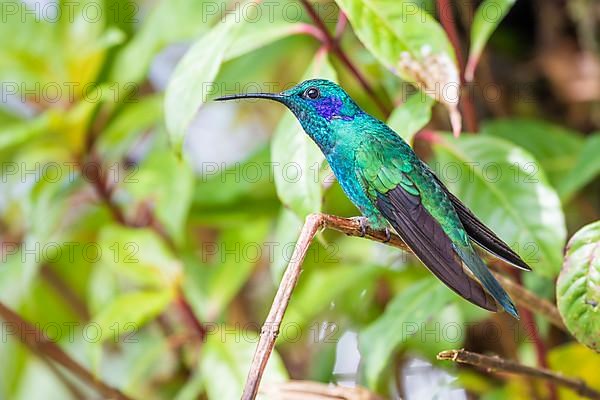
144, 228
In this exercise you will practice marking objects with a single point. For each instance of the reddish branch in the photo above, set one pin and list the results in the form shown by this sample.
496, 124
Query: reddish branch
446, 16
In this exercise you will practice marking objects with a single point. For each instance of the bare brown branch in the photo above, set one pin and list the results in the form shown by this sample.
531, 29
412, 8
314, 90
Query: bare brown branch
491, 364
270, 328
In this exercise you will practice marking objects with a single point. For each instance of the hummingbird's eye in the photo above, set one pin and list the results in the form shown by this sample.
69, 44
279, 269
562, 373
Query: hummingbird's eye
311, 93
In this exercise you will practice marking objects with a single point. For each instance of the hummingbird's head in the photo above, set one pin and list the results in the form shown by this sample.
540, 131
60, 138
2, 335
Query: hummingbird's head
315, 101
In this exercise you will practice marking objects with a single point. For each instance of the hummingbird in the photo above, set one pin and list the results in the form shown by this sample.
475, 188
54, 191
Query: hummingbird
393, 188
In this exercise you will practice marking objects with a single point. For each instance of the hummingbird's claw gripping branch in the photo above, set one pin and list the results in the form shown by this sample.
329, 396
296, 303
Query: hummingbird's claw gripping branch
388, 235
363, 225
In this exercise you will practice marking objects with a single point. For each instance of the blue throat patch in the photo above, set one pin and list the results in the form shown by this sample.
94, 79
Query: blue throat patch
330, 107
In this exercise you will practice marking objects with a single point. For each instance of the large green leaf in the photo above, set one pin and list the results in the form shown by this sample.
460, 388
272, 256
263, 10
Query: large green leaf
73, 50
165, 184
193, 79
504, 186
21, 132
575, 360
409, 42
253, 36
556, 148
223, 196
403, 317
488, 16
320, 287
127, 313
411, 116
138, 254
585, 169
224, 267
296, 158
578, 286
169, 21
133, 119
188, 87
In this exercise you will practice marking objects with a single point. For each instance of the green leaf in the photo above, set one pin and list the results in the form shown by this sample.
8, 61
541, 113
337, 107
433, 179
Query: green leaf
403, 317
320, 287
577, 361
253, 36
170, 21
224, 196
165, 184
585, 170
578, 286
505, 188
138, 254
188, 87
128, 312
133, 120
487, 17
409, 42
17, 133
410, 117
193, 78
225, 266
556, 148
296, 158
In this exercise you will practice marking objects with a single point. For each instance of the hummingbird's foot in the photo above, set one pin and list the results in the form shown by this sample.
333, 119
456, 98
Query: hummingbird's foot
388, 235
363, 224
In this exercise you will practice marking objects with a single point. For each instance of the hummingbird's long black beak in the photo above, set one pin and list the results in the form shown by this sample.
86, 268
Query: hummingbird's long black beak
269, 96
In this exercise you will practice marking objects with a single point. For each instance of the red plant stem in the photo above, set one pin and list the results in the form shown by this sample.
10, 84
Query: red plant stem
311, 30
340, 26
447, 20
334, 46
538, 342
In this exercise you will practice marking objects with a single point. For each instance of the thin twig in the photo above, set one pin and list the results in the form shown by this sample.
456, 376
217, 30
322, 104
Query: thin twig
33, 338
350, 227
334, 46
446, 15
499, 364
270, 328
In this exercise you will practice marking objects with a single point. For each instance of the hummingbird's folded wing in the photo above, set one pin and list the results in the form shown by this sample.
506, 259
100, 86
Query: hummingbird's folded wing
384, 171
481, 234
428, 241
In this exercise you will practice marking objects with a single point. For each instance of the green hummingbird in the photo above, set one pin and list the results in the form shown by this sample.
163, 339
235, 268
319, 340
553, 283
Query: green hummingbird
391, 186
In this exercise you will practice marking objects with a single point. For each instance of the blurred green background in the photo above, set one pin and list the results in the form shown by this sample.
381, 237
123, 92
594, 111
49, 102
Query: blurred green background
144, 228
